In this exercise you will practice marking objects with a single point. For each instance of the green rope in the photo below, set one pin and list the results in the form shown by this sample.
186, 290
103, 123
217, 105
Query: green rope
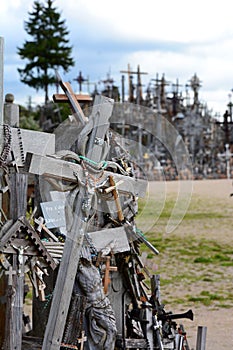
140, 232
47, 300
102, 164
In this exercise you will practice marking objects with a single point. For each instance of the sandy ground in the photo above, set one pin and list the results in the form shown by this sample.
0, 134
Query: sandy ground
219, 321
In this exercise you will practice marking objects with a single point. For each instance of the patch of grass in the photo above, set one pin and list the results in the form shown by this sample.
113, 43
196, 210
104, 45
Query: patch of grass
228, 263
202, 216
203, 260
225, 306
28, 298
216, 258
195, 260
150, 256
206, 298
207, 279
200, 299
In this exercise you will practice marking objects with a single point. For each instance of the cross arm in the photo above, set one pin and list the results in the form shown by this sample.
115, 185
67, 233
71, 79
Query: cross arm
79, 97
58, 169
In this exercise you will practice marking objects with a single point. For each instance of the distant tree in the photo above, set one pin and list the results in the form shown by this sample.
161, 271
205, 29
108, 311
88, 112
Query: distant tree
48, 50
29, 118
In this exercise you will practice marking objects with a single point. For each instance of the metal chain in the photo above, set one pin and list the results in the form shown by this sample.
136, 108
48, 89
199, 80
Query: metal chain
21, 145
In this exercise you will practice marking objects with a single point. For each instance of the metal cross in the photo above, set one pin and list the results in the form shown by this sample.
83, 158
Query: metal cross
82, 340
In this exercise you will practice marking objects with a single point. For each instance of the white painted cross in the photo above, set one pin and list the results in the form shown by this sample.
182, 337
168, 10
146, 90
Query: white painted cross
96, 128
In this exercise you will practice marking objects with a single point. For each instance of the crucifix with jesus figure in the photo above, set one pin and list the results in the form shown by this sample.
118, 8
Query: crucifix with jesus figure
94, 178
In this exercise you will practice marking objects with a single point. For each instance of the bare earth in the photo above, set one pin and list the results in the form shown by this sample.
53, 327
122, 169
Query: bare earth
219, 321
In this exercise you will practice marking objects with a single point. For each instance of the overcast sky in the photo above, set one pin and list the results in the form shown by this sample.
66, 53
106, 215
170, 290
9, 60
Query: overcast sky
177, 38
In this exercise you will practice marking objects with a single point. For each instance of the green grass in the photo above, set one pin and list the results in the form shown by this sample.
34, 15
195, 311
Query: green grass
191, 258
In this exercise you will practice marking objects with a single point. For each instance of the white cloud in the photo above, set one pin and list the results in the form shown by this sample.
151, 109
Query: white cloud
179, 20
178, 38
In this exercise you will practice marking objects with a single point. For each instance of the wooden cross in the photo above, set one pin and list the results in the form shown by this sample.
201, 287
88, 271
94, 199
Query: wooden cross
42, 226
20, 142
97, 126
95, 129
10, 274
79, 97
88, 83
113, 189
52, 168
128, 71
80, 79
82, 340
72, 98
108, 269
139, 84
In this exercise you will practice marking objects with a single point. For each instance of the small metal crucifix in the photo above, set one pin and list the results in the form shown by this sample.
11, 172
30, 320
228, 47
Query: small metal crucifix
82, 340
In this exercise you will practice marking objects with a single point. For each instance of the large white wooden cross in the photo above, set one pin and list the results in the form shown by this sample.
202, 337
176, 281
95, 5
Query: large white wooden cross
98, 125
51, 167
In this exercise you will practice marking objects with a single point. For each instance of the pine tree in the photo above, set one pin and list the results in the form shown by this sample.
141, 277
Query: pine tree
48, 50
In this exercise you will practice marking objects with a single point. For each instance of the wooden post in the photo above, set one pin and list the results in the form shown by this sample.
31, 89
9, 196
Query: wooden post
114, 190
11, 111
14, 313
201, 338
18, 195
108, 269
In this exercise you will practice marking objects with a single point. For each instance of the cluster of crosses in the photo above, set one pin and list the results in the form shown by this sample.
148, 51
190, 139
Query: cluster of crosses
100, 299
